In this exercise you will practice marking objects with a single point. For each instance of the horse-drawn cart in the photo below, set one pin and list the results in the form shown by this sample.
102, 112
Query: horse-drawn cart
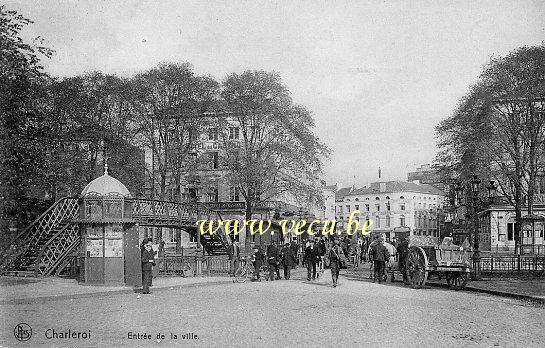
426, 256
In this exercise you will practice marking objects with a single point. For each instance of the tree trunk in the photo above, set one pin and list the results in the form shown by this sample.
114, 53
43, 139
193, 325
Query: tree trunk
518, 217
247, 233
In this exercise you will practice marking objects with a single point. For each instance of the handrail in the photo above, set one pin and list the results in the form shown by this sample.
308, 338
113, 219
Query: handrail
26, 230
58, 262
40, 254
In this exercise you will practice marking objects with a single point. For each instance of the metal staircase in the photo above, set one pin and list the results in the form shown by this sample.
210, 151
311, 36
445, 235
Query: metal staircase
217, 243
41, 247
44, 246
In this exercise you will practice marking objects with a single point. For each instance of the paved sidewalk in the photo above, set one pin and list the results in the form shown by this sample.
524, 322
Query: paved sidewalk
525, 289
14, 289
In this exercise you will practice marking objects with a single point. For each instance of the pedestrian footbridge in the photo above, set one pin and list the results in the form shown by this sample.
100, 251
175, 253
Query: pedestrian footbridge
45, 246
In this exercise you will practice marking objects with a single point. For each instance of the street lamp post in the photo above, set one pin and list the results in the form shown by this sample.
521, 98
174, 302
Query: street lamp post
473, 205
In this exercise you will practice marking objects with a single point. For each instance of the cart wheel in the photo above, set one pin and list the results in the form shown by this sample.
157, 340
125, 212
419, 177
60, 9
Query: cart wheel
460, 280
416, 267
450, 278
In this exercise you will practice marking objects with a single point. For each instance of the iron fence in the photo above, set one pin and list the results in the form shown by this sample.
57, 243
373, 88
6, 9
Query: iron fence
188, 266
511, 264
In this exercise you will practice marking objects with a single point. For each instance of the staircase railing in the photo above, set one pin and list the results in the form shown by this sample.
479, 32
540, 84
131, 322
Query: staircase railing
62, 210
211, 214
56, 249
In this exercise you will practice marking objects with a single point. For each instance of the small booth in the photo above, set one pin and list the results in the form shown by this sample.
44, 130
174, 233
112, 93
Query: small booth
109, 250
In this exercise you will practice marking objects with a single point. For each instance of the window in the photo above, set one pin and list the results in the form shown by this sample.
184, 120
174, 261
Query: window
213, 134
367, 207
377, 206
387, 220
387, 197
192, 194
357, 200
213, 160
340, 209
388, 206
401, 197
357, 207
192, 237
171, 235
377, 221
376, 198
348, 208
402, 206
402, 220
234, 133
234, 194
213, 194
510, 231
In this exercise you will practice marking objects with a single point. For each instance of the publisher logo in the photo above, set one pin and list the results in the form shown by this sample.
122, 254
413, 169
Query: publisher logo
22, 332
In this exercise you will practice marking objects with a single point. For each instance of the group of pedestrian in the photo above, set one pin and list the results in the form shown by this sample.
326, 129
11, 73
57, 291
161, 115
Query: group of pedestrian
285, 258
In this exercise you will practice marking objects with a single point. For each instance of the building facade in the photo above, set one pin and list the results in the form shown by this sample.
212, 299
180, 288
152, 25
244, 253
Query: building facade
392, 206
208, 181
497, 229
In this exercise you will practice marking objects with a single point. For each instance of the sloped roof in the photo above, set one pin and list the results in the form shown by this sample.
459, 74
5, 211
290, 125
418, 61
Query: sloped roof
391, 186
342, 192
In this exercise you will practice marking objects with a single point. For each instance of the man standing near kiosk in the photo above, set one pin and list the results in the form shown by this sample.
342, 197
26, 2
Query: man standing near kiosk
148, 262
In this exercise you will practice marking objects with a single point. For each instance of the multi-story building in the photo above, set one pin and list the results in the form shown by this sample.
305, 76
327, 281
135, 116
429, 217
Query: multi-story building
393, 206
207, 181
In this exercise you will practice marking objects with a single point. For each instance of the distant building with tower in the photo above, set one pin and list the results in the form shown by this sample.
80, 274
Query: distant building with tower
426, 174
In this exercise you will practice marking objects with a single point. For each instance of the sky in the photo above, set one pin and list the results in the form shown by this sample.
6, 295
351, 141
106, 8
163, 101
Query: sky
378, 76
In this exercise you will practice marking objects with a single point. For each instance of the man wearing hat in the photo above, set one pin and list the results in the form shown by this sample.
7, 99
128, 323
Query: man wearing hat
379, 255
335, 261
288, 260
147, 266
273, 257
311, 257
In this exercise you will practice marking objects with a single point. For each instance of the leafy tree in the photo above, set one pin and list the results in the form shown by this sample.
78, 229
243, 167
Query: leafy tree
94, 123
22, 119
169, 101
277, 153
498, 129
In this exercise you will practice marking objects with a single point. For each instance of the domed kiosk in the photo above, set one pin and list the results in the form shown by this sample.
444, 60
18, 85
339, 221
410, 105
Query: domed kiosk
110, 249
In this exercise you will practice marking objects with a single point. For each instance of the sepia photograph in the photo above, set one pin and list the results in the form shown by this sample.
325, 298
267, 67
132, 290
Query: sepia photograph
302, 173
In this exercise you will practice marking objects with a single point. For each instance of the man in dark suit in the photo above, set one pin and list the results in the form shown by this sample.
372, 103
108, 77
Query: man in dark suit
295, 250
380, 255
335, 261
272, 259
147, 266
403, 250
257, 260
288, 260
311, 257
234, 257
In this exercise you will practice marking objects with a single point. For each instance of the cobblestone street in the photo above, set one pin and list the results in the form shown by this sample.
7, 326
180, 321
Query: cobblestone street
282, 313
